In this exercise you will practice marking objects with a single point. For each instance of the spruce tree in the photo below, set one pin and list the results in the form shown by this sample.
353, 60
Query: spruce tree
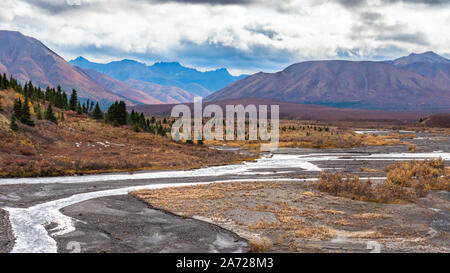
73, 103
79, 109
37, 110
161, 131
25, 118
97, 114
17, 108
136, 128
122, 113
49, 115
112, 113
39, 114
13, 125
65, 103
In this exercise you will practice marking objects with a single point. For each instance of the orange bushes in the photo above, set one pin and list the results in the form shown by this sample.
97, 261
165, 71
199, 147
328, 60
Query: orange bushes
405, 181
354, 188
421, 175
260, 245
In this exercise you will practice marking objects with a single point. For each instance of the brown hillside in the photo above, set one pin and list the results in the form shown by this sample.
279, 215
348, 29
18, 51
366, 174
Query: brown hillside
82, 145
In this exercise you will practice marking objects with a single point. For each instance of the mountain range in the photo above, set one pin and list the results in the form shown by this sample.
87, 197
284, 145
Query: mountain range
27, 58
414, 82
164, 73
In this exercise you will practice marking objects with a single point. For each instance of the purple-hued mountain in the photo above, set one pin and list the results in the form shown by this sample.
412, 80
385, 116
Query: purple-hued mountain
429, 65
164, 73
418, 81
26, 58
167, 94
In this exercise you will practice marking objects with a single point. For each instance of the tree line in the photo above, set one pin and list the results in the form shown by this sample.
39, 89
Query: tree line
116, 114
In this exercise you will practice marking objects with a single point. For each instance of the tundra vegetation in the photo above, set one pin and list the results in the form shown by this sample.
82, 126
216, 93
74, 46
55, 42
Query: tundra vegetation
305, 216
310, 134
41, 135
405, 182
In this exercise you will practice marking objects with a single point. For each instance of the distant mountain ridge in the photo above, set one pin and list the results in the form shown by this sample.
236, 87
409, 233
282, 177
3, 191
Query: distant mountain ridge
429, 65
26, 58
414, 82
426, 57
167, 94
164, 73
418, 81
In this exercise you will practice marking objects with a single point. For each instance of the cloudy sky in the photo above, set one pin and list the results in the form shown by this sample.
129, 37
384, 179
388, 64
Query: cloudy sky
243, 35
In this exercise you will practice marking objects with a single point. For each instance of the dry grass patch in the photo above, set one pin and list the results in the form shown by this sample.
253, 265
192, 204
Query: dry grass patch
406, 181
369, 170
270, 209
260, 245
305, 134
312, 136
259, 211
369, 216
422, 176
364, 190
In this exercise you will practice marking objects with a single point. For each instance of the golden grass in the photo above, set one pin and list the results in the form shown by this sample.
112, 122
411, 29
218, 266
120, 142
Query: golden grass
412, 148
309, 135
369, 170
369, 215
422, 176
354, 188
260, 245
405, 182
305, 137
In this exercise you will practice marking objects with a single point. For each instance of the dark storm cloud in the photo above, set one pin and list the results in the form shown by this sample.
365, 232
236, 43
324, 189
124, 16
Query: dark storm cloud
210, 2
382, 53
264, 30
53, 7
255, 58
363, 3
369, 18
373, 26
419, 38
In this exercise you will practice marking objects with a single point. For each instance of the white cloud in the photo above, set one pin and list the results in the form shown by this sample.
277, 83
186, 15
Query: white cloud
244, 37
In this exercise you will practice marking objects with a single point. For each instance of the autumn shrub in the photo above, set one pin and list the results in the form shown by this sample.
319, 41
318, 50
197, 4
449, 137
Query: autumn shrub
260, 245
364, 190
412, 148
422, 176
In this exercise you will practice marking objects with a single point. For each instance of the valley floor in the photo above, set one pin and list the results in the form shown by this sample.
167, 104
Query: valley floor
94, 212
294, 217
